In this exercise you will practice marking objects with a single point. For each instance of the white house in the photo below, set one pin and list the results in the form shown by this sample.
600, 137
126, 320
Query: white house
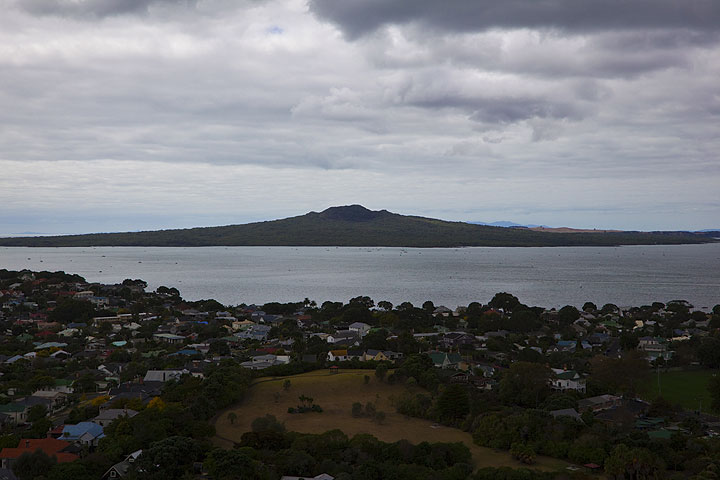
568, 380
337, 355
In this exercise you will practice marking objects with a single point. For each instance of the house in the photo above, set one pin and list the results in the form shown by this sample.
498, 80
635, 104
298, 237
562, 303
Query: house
69, 332
60, 355
360, 328
304, 321
44, 346
654, 347
31, 401
49, 446
322, 476
14, 359
7, 474
567, 412
168, 338
84, 434
445, 360
121, 469
338, 355
487, 370
567, 380
61, 385
57, 399
599, 403
106, 417
566, 346
254, 332
344, 337
498, 333
16, 413
259, 362
164, 375
456, 339
381, 355
120, 318
597, 339
242, 325
356, 354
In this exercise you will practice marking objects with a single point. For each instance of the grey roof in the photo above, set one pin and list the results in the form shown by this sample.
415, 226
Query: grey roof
113, 413
32, 401
566, 412
322, 476
7, 474
163, 375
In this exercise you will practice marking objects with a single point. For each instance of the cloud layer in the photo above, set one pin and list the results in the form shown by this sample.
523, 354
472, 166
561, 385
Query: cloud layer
554, 112
358, 17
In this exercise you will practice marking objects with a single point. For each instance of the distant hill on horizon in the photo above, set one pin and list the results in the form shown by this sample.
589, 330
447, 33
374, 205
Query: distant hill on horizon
507, 224
356, 226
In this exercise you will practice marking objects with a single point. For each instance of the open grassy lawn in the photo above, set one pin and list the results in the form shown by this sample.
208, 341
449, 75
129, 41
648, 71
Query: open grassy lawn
687, 388
336, 393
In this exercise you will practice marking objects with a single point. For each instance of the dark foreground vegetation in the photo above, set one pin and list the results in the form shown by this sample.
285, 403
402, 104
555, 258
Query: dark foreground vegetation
358, 226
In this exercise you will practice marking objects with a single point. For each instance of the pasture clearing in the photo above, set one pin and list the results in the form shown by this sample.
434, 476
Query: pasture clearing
336, 393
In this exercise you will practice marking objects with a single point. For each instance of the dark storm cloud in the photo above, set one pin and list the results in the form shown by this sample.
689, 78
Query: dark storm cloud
511, 110
505, 110
94, 8
359, 17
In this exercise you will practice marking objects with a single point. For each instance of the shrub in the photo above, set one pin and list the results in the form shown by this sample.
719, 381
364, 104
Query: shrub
522, 452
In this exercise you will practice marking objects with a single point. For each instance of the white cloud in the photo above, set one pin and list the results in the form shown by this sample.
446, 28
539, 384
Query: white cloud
233, 111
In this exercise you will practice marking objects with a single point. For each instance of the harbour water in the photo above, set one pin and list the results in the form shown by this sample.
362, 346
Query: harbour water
550, 277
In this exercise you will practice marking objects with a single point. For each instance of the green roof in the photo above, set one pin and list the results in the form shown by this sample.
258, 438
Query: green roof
437, 358
649, 422
454, 357
11, 408
660, 434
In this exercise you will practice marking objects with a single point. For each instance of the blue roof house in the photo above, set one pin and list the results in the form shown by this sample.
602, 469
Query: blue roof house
84, 433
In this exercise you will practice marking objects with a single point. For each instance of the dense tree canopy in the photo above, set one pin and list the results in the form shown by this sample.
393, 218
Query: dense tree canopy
525, 384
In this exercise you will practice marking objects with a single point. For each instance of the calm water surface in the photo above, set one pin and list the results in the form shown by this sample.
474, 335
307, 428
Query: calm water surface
548, 277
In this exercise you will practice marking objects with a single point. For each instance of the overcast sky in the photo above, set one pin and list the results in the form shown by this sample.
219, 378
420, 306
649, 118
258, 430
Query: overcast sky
141, 114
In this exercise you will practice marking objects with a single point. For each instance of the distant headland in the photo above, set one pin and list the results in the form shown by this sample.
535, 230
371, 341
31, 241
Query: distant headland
357, 226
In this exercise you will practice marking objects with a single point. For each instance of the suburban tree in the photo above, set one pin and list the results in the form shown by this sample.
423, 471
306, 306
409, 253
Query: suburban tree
381, 371
453, 403
526, 384
33, 465
385, 305
634, 368
504, 301
714, 388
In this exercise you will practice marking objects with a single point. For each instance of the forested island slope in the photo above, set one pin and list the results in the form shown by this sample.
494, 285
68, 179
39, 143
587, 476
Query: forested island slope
356, 226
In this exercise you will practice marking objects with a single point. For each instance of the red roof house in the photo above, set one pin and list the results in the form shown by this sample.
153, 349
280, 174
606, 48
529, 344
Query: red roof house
51, 447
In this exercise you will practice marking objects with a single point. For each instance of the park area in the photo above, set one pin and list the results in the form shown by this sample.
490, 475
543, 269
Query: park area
686, 388
336, 393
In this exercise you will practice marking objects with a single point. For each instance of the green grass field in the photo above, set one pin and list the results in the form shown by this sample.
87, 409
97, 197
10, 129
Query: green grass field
336, 393
685, 388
